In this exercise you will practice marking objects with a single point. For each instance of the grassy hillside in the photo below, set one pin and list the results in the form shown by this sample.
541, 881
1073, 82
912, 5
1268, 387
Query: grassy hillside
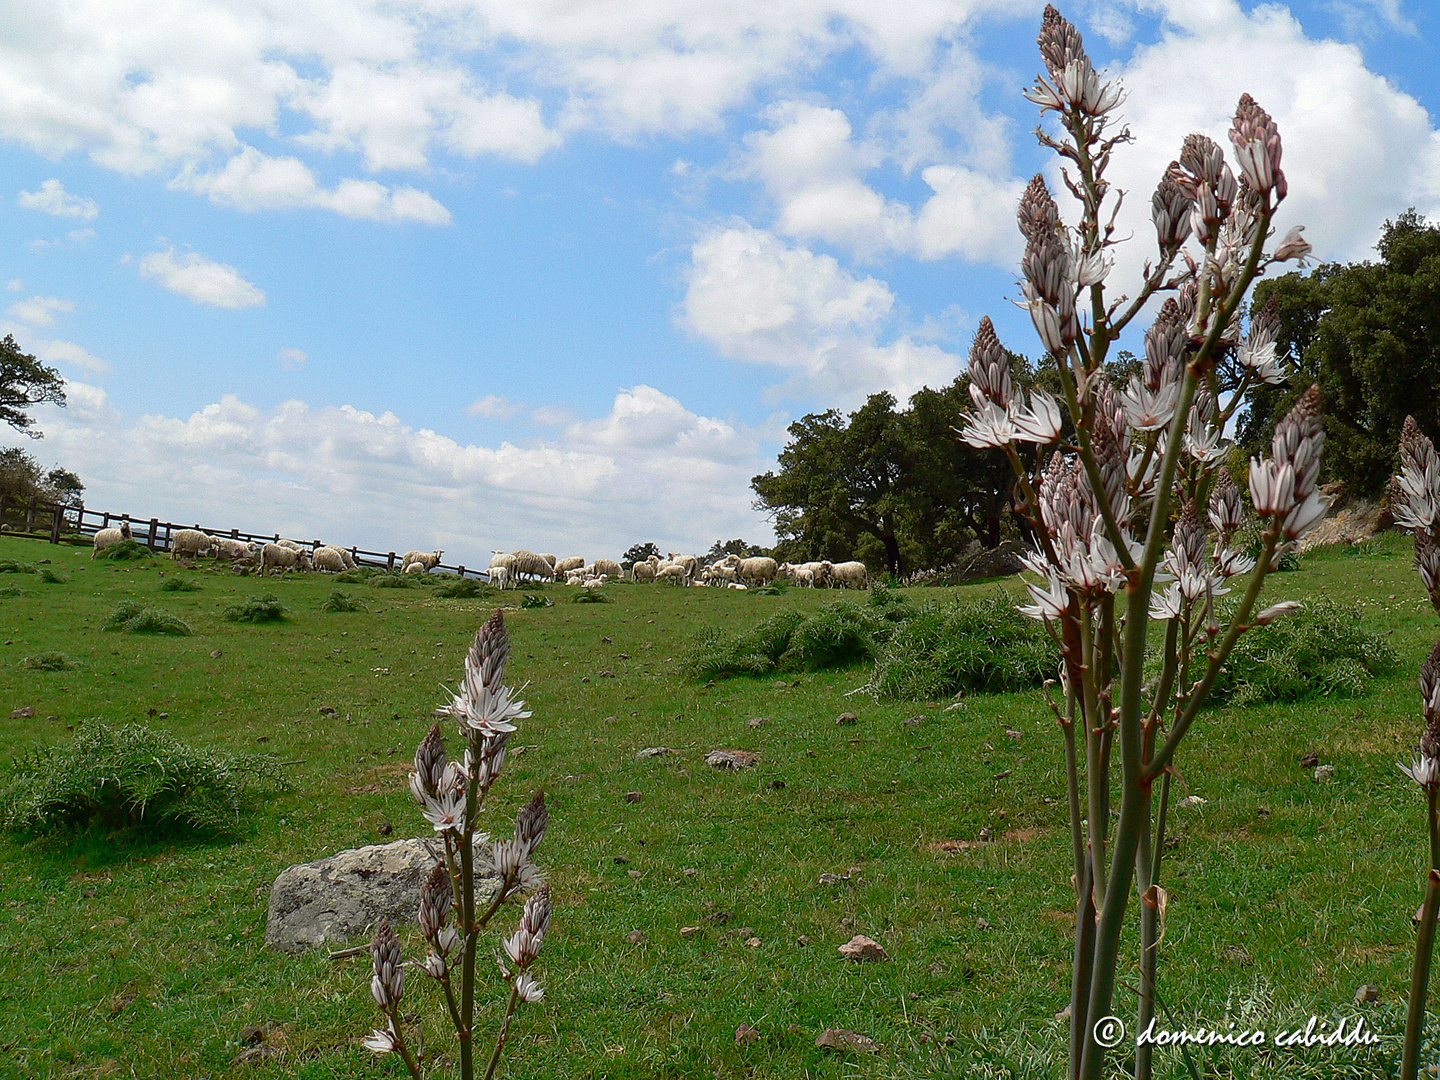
127, 955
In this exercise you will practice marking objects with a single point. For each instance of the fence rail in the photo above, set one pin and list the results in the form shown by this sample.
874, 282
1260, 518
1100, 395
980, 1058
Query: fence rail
57, 522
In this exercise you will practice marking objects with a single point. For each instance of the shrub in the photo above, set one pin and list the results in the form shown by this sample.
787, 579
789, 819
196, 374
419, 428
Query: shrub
460, 588
973, 645
135, 617
835, 636
590, 596
12, 566
257, 609
48, 661
717, 655
1320, 649
50, 577
12, 590
353, 577
178, 584
339, 601
773, 589
389, 581
531, 600
132, 776
125, 549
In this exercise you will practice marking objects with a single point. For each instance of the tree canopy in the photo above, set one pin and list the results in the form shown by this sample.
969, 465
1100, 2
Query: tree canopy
22, 477
24, 383
1369, 334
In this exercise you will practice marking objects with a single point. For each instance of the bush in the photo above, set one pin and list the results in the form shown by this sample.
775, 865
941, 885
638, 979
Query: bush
257, 609
48, 661
339, 601
773, 589
179, 584
590, 596
970, 646
135, 617
389, 581
836, 636
756, 651
1319, 649
50, 577
353, 577
531, 600
125, 549
132, 776
12, 590
460, 587
11, 566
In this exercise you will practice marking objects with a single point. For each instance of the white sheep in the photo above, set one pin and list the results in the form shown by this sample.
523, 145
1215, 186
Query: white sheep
570, 562
529, 564
575, 577
414, 568
428, 560
608, 567
689, 562
226, 548
291, 545
761, 569
803, 576
674, 572
596, 582
329, 559
737, 585
850, 575
105, 538
189, 544
282, 558
500, 577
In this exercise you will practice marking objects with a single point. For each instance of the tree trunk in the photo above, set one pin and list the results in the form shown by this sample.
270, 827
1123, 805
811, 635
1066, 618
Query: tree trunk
892, 546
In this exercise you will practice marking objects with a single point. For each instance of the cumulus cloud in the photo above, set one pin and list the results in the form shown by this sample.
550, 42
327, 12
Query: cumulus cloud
191, 275
292, 359
493, 407
67, 352
757, 299
52, 198
648, 469
252, 181
40, 310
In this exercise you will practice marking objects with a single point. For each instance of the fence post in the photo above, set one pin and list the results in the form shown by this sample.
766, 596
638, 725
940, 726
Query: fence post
234, 534
30, 516
390, 562
154, 528
55, 524
106, 523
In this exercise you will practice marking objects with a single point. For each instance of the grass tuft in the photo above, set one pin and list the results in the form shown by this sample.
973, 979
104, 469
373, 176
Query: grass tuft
590, 596
132, 776
14, 566
532, 600
339, 601
49, 661
389, 581
50, 577
460, 588
179, 584
135, 617
125, 549
256, 609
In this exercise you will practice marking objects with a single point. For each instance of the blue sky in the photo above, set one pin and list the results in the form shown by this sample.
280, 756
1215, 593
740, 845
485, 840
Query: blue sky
485, 274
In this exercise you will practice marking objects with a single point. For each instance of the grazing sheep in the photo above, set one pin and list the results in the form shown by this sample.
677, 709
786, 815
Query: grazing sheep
803, 576
575, 577
291, 545
226, 548
505, 561
428, 560
570, 562
105, 538
608, 567
529, 564
345, 557
414, 568
689, 562
500, 577
596, 582
550, 559
189, 544
850, 575
761, 569
642, 571
329, 559
674, 572
282, 558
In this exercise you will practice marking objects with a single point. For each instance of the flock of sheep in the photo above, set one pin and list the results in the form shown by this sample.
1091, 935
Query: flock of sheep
509, 569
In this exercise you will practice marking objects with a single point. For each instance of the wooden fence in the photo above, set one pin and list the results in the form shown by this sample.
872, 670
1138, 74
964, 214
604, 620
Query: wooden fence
57, 522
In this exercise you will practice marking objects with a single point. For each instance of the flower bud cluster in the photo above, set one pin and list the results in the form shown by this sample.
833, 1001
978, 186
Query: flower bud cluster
1001, 414
524, 945
1074, 85
484, 704
1149, 399
436, 900
1415, 492
1284, 484
1425, 769
1258, 354
1256, 140
387, 984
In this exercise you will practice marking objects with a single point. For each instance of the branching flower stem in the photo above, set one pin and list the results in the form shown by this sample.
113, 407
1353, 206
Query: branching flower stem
1420, 973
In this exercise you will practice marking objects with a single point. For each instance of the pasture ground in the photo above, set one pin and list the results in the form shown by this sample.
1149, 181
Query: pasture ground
132, 956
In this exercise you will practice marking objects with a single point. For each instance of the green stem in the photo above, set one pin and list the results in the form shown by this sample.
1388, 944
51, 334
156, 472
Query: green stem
1072, 790
1432, 792
1420, 974
1080, 971
1146, 873
404, 1051
1096, 773
504, 1033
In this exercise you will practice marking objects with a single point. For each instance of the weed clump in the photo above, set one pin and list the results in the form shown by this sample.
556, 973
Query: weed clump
257, 609
534, 600
836, 636
1319, 649
48, 661
353, 577
178, 584
135, 617
389, 581
718, 655
339, 601
980, 646
50, 577
132, 776
125, 549
12, 590
460, 588
590, 596
14, 566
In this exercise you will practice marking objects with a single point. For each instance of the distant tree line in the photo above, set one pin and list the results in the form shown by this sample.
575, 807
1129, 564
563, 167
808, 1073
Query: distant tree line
24, 383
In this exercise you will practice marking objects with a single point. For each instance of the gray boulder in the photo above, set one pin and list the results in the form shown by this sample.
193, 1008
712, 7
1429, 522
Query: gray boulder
347, 894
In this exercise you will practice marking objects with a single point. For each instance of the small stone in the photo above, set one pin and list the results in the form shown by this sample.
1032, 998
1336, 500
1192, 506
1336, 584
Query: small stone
1064, 1015
654, 752
1324, 773
633, 873
861, 947
776, 785
987, 834
605, 640
52, 716
847, 718
719, 918
326, 710
1309, 759
634, 797
745, 1035
830, 879
1367, 994
1193, 801
386, 828
1011, 733
755, 721
215, 654
623, 655
689, 871
843, 1039
1237, 955
781, 684
731, 759
752, 943
1003, 773
637, 937
606, 675
913, 720
688, 932
982, 924
23, 711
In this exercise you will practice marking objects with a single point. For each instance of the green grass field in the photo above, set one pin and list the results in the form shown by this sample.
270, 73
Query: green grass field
132, 956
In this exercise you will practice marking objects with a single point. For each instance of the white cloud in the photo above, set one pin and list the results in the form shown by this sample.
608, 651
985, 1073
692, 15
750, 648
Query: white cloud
292, 359
493, 407
757, 299
15, 285
52, 198
551, 416
82, 236
252, 181
40, 310
650, 469
67, 352
191, 275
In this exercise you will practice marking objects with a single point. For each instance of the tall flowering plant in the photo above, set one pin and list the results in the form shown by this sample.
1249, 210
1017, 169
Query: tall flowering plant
1415, 504
1134, 518
454, 903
